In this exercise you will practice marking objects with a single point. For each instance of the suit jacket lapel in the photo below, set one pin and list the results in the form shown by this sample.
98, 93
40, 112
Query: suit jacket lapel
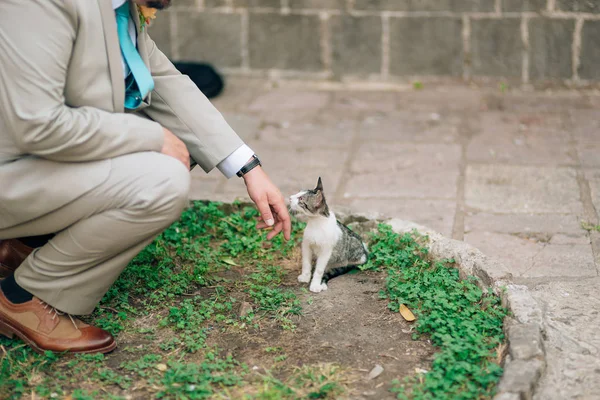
113, 50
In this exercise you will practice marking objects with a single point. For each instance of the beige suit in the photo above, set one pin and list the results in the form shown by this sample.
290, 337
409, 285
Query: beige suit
71, 160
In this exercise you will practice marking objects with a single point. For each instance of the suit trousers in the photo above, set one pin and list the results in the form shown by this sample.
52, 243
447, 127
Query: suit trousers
98, 233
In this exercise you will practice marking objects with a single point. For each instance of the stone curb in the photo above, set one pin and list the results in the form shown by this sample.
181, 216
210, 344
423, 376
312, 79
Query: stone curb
525, 360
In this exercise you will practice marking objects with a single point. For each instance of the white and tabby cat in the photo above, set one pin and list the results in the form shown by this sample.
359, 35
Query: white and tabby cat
336, 248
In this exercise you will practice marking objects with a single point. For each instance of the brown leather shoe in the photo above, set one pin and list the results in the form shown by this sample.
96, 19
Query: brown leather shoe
44, 328
12, 254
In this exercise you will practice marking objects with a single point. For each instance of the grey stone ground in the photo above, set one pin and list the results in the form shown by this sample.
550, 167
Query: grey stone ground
512, 174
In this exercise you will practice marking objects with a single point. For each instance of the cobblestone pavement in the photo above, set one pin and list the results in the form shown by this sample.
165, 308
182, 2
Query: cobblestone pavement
511, 173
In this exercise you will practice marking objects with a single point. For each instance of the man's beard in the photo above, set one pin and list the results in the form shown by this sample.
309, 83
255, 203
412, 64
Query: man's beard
159, 4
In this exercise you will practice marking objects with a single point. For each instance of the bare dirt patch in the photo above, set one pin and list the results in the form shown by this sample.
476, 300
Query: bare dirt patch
346, 325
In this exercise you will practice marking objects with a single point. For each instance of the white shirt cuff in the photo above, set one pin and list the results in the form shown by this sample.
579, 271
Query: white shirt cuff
235, 161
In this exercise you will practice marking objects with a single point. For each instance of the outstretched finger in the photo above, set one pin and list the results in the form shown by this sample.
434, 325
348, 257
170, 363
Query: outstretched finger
284, 217
276, 229
265, 211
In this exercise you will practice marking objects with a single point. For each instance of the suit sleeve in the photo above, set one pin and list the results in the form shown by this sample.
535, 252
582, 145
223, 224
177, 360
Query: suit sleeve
36, 40
180, 106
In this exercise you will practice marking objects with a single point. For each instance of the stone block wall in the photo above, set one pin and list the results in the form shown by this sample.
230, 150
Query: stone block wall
526, 41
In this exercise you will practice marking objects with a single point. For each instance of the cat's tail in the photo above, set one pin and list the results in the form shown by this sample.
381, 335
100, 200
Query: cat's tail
332, 273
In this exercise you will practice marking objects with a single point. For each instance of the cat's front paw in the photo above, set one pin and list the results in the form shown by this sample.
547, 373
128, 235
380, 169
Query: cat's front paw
304, 278
318, 288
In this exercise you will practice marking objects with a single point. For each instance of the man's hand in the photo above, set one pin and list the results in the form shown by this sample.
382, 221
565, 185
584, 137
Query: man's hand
270, 203
174, 147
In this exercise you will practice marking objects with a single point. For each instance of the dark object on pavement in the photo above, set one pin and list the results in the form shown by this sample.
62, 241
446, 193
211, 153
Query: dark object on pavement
208, 80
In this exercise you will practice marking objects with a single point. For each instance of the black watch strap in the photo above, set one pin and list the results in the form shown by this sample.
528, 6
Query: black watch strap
255, 162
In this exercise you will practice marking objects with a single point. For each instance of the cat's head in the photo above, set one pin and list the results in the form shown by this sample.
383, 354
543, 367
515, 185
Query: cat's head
310, 203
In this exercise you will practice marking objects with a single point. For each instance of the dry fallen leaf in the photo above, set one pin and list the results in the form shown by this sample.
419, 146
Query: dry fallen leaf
229, 260
161, 367
376, 371
406, 313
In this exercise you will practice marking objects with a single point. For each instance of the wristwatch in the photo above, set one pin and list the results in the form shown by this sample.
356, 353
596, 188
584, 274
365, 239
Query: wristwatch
250, 165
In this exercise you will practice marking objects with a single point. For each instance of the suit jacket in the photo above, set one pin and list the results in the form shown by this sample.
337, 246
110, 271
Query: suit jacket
61, 105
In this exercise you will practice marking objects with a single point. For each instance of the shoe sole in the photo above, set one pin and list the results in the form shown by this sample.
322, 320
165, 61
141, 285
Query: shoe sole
10, 332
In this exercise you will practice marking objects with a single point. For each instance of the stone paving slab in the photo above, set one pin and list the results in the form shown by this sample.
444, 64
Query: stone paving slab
364, 100
436, 214
533, 245
442, 99
319, 132
289, 100
594, 100
203, 186
404, 170
237, 95
564, 260
571, 322
285, 118
586, 125
426, 127
512, 173
586, 130
589, 154
540, 101
593, 176
561, 238
248, 127
521, 189
530, 257
518, 259
521, 139
549, 224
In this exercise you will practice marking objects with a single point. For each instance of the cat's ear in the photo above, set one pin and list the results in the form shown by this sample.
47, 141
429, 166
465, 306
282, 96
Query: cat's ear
319, 185
319, 199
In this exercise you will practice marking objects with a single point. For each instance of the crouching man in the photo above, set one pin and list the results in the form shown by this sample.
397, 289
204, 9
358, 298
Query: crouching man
97, 133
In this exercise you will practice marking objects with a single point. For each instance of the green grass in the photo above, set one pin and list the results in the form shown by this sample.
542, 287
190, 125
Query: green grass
324, 381
589, 227
186, 287
456, 315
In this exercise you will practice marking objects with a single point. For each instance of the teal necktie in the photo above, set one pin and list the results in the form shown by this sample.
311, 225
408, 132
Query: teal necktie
139, 82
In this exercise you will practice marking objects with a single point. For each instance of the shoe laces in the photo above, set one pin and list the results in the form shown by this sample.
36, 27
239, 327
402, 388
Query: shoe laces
56, 314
